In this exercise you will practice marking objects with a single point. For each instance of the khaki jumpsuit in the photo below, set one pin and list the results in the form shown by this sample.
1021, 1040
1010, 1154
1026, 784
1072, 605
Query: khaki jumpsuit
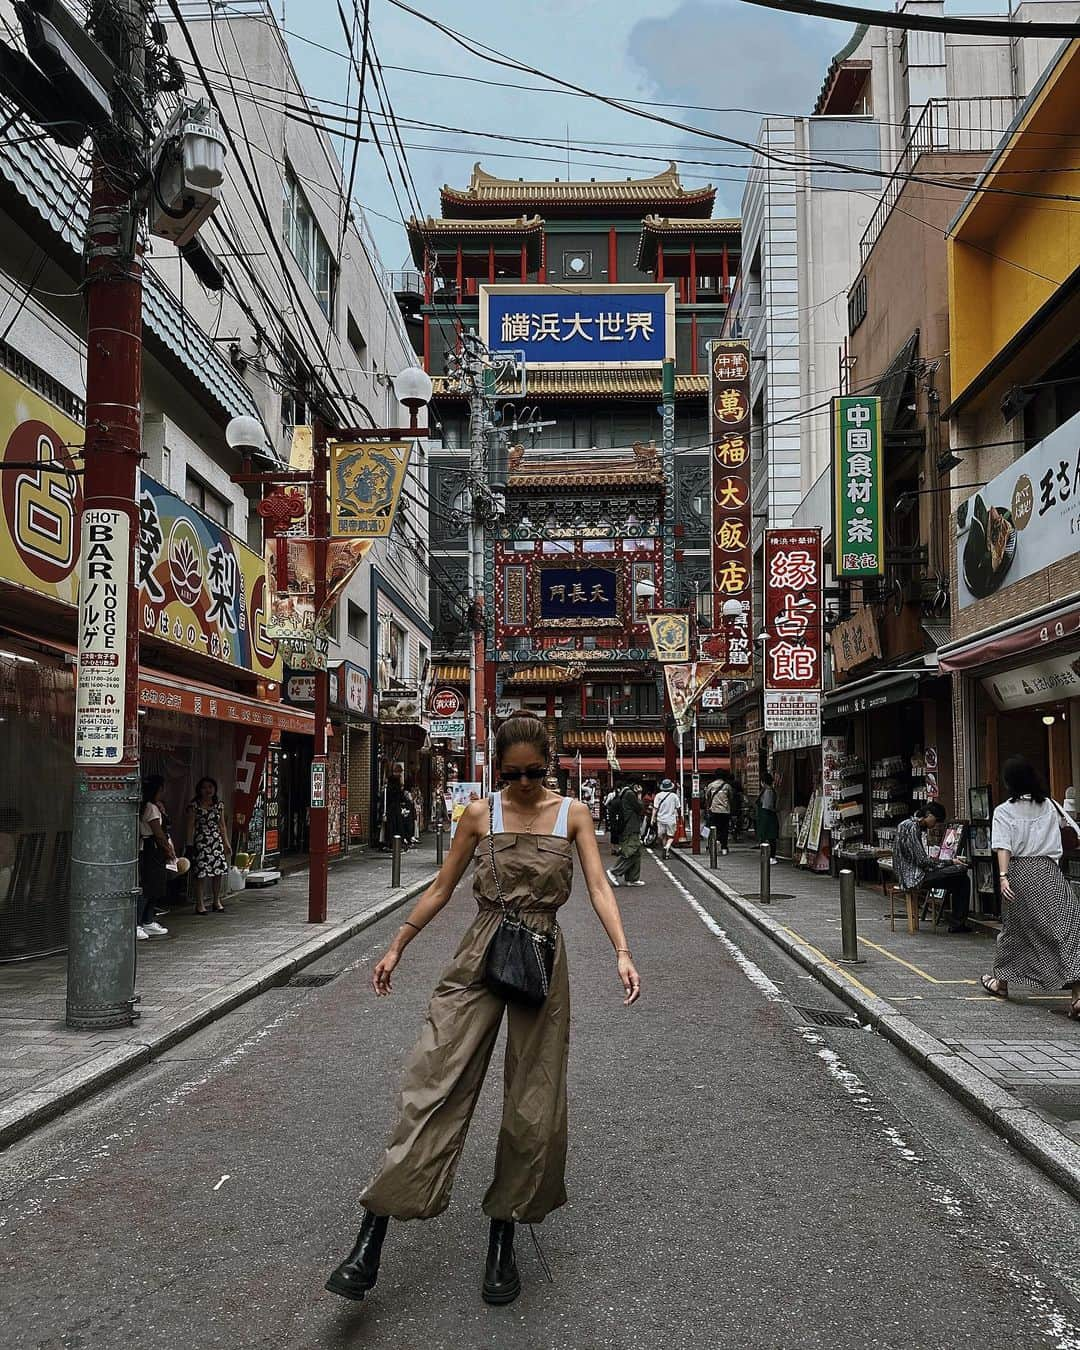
446, 1069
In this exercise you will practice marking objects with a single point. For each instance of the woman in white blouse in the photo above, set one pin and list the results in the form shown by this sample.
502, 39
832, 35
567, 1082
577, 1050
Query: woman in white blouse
1039, 942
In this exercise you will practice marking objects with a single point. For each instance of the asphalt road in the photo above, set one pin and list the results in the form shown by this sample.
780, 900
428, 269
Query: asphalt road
738, 1176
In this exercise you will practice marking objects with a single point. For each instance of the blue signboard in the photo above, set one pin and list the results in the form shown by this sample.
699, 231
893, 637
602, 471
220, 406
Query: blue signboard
578, 595
586, 326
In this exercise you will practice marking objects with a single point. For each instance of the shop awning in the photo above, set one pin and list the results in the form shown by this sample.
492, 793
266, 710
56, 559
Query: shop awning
1021, 638
450, 672
180, 694
541, 675
865, 695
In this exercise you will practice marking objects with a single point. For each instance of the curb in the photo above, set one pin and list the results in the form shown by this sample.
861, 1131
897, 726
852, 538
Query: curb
1051, 1151
25, 1112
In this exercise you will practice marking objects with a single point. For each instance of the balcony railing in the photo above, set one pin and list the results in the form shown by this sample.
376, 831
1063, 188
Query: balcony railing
946, 125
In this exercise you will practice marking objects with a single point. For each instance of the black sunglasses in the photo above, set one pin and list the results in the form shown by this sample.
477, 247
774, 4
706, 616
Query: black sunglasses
515, 775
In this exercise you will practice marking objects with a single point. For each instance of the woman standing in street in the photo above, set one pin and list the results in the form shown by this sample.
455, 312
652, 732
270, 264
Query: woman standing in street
208, 834
155, 850
523, 838
768, 822
1039, 942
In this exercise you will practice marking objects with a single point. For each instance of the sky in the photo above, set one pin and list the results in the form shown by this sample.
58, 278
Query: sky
715, 53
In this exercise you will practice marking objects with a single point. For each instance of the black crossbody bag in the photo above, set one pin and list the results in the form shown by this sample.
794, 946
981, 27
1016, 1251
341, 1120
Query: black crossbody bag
519, 961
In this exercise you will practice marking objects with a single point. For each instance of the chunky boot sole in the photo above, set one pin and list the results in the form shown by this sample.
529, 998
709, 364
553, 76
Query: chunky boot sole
345, 1289
503, 1295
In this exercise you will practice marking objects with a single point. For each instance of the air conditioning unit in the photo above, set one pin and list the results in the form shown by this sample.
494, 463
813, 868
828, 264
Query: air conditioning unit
188, 168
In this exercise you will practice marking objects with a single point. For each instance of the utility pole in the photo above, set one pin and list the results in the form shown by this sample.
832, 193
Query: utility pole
104, 880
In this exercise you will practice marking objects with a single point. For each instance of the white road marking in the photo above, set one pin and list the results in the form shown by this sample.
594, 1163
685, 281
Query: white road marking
1060, 1331
222, 1182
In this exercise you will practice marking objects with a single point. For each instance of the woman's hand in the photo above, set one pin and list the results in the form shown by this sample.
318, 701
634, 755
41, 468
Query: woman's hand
1006, 889
380, 980
630, 979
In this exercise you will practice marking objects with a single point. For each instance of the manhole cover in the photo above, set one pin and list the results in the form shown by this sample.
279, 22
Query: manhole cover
773, 895
313, 980
823, 1017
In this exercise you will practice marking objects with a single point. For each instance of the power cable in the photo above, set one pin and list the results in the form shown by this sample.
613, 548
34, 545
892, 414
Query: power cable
918, 23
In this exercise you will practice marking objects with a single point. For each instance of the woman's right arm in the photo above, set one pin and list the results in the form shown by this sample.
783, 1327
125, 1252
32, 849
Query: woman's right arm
163, 839
1001, 841
471, 828
1003, 858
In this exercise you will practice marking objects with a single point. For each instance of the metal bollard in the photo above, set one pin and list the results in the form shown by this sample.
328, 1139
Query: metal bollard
439, 845
395, 862
848, 924
712, 848
765, 869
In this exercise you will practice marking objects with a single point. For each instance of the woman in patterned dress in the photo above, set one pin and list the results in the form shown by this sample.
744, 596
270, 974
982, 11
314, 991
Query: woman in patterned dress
1039, 942
207, 831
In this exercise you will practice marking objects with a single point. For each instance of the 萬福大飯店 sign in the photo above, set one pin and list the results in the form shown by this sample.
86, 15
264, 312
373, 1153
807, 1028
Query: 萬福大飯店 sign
732, 548
581, 325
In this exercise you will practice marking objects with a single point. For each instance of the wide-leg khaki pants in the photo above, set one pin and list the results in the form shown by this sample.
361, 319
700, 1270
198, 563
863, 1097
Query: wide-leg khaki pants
443, 1077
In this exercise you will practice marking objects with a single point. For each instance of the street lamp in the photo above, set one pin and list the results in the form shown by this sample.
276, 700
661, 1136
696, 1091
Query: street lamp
412, 387
245, 433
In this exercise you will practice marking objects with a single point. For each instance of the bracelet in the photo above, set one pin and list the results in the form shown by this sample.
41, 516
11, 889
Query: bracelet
407, 923
623, 951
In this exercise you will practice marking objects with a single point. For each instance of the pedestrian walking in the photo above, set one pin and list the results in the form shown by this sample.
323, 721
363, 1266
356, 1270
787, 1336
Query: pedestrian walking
1039, 942
627, 871
719, 799
914, 866
208, 836
155, 851
665, 816
768, 822
613, 817
523, 838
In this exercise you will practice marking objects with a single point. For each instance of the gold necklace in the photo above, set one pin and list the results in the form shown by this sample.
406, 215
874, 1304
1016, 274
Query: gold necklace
530, 823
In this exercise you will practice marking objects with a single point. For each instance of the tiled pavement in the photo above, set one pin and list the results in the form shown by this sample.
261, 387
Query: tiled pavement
176, 976
1026, 1044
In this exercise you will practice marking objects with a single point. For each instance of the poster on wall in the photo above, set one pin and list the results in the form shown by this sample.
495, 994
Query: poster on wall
104, 583
1022, 520
461, 796
732, 543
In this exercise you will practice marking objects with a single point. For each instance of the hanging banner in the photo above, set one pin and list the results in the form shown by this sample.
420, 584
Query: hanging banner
104, 582
290, 584
685, 683
611, 749
793, 605
670, 635
858, 485
732, 545
365, 484
252, 748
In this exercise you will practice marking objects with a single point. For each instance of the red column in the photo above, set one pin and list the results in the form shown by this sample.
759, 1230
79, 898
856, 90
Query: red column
318, 816
660, 260
693, 273
693, 344
427, 343
612, 257
541, 276
524, 263
491, 264
460, 274
684, 289
724, 276
429, 283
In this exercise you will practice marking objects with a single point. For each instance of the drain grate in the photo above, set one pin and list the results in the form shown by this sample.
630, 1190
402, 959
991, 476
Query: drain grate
312, 981
823, 1017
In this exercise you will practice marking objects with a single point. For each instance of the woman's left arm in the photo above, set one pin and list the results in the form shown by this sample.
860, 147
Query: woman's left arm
583, 833
223, 826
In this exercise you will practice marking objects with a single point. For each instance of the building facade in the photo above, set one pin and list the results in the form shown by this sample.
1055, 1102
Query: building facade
601, 286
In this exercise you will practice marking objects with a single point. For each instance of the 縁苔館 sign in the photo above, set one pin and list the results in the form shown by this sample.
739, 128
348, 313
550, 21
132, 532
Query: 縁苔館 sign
583, 326
581, 597
858, 484
793, 605
1022, 520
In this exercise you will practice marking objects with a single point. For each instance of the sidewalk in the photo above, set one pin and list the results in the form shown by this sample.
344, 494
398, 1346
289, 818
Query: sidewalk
1016, 1063
207, 966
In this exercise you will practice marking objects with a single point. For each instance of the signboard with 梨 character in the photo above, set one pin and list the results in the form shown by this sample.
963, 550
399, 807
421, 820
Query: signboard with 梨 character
581, 326
579, 597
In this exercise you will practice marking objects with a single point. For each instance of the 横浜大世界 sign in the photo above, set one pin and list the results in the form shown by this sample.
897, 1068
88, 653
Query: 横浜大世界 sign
582, 326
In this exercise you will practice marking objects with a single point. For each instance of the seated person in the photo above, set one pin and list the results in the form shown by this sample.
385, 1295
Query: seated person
914, 866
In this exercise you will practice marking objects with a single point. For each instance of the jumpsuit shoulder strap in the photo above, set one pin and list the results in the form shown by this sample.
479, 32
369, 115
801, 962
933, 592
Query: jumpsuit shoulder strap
496, 813
561, 819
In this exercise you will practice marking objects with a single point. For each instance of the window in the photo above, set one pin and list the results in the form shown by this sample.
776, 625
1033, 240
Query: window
209, 502
357, 622
307, 245
397, 651
294, 388
356, 341
857, 300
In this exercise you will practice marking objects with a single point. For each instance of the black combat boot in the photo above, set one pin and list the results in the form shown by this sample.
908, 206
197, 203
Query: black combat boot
502, 1284
360, 1269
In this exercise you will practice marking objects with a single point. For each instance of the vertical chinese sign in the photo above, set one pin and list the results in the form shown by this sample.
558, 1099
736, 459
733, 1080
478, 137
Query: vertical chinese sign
857, 488
104, 582
793, 609
732, 550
